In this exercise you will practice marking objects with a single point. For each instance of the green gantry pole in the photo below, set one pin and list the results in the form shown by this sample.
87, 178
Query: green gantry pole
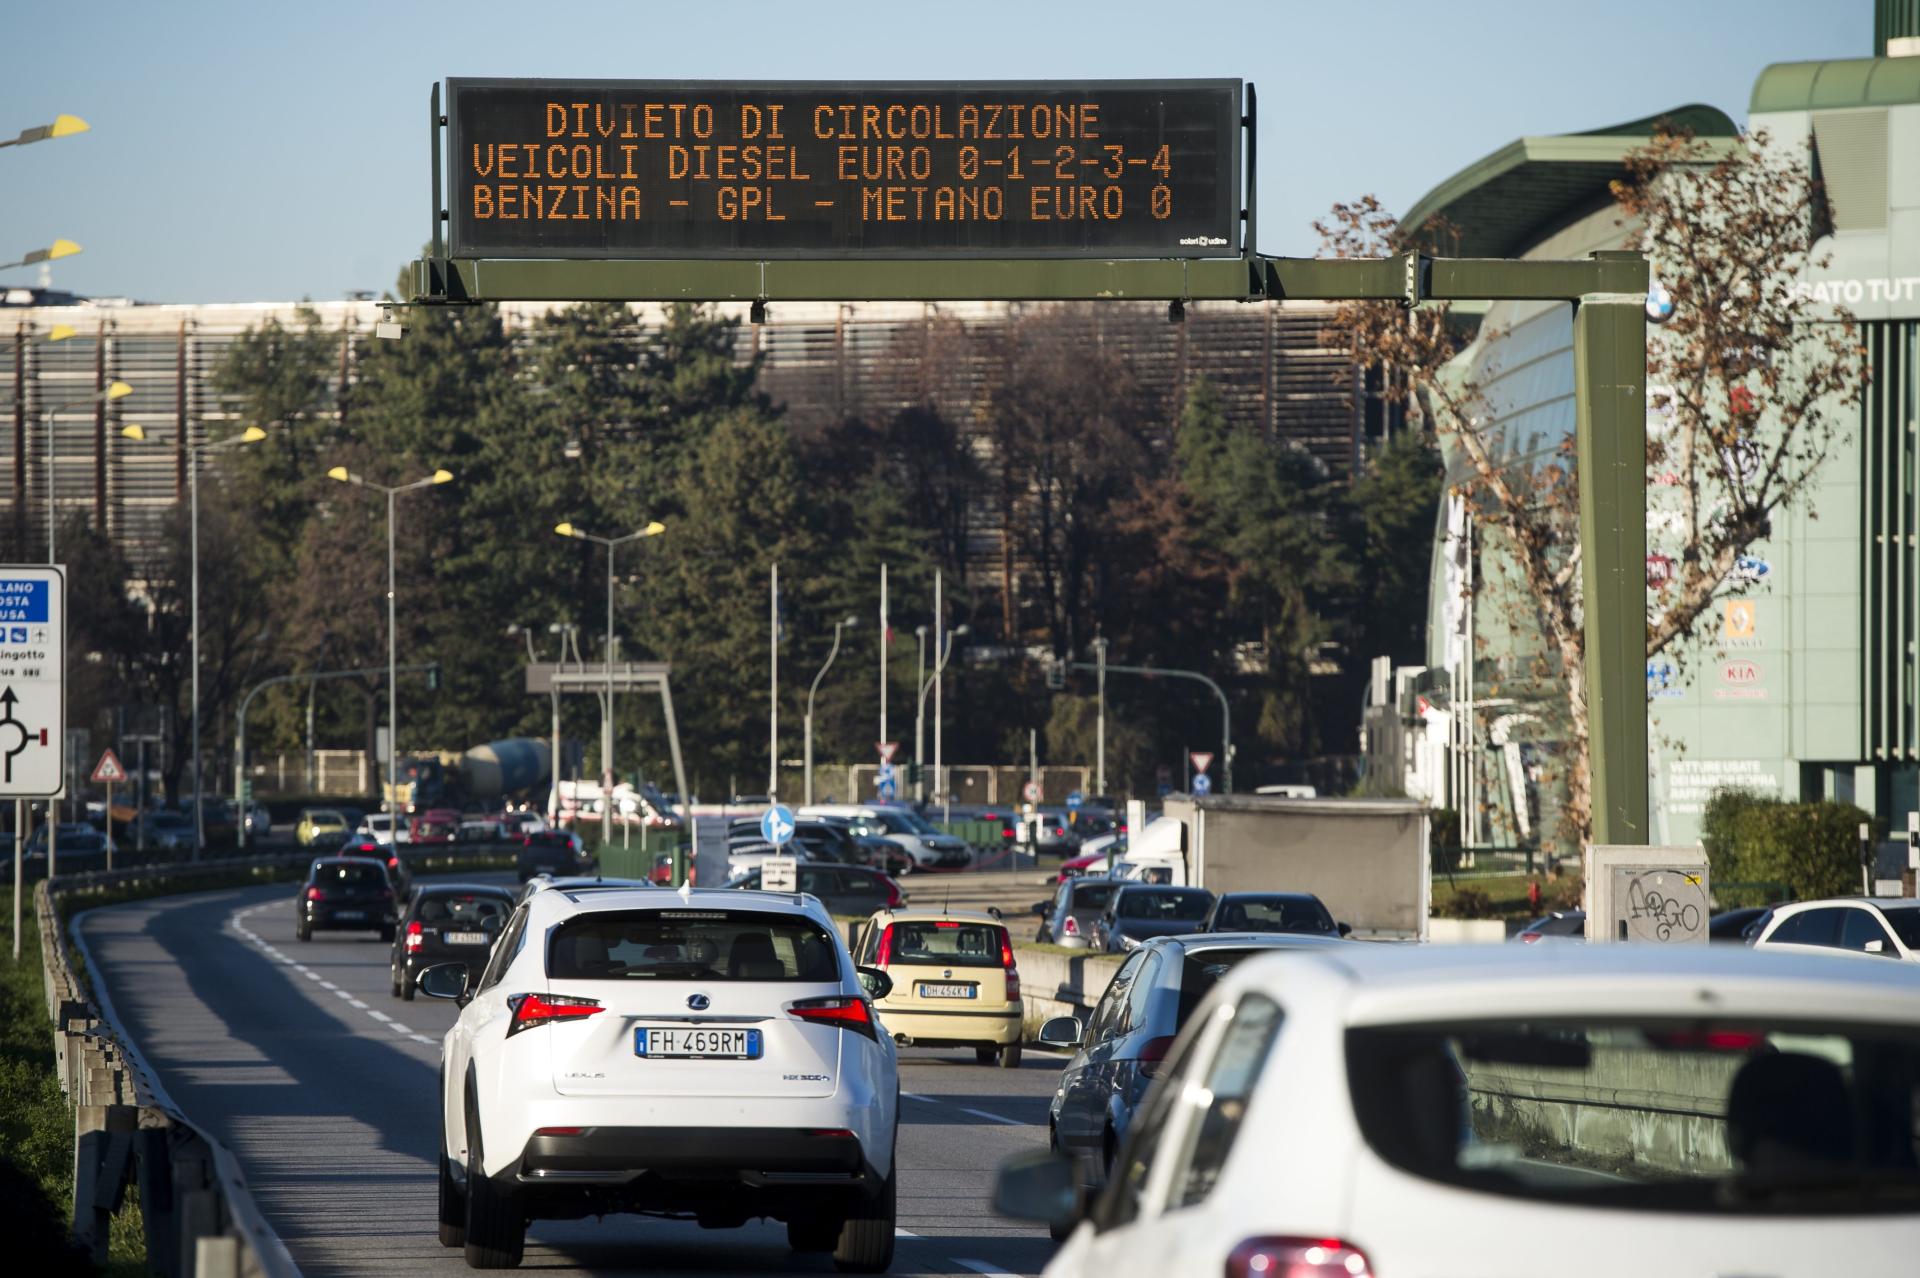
1610, 372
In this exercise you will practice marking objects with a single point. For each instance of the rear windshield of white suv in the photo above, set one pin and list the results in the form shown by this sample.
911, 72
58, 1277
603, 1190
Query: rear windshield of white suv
691, 945
1696, 1116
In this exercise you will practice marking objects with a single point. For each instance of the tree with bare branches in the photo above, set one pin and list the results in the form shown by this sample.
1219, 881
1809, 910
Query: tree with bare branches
1749, 385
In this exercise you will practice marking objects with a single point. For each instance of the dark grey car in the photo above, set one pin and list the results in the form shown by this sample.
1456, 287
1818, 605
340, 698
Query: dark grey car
1139, 911
1070, 916
1120, 1048
1272, 912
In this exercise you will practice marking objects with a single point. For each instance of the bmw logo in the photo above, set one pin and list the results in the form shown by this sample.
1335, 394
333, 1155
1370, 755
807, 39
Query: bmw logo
1659, 303
699, 1002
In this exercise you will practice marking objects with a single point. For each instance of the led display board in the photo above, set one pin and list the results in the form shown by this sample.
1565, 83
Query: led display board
652, 169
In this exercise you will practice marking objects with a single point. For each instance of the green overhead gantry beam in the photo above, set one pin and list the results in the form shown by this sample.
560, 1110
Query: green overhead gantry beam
1608, 292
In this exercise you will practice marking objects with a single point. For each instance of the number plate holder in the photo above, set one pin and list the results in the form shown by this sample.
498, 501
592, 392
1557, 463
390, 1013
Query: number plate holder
697, 1043
947, 989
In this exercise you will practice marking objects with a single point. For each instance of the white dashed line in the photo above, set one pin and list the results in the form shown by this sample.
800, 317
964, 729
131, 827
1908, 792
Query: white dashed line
916, 1096
997, 1118
248, 934
982, 1267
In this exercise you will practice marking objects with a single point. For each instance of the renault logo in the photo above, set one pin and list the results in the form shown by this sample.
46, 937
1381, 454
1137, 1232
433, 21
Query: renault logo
699, 1002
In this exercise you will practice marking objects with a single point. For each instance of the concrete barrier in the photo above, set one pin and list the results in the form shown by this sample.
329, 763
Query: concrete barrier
1057, 984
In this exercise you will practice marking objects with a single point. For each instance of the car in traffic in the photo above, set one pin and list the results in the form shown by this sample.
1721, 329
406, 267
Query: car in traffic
320, 828
713, 1057
1298, 912
1124, 1042
79, 847
1739, 925
955, 982
1047, 831
930, 848
363, 845
157, 831
434, 826
1781, 1134
1142, 910
1558, 925
381, 826
446, 923
341, 893
844, 889
259, 821
1096, 858
1886, 927
1069, 915
551, 852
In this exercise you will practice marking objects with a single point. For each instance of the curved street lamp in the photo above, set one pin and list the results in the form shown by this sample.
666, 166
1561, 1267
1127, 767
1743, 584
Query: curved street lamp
838, 627
251, 435
345, 476
63, 126
52, 253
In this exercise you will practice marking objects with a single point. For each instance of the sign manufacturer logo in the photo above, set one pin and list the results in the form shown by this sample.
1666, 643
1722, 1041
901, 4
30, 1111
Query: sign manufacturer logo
1740, 620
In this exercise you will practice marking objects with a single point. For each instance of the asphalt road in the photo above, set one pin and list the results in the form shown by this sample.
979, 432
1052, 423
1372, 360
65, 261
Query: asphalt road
326, 1089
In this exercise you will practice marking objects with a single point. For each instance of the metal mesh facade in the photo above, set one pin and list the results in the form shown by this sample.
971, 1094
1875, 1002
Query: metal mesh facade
822, 361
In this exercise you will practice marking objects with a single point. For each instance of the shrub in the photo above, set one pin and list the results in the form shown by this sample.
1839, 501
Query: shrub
1811, 848
1472, 903
1718, 830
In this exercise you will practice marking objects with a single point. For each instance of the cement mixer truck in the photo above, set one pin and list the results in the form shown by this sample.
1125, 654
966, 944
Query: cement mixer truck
485, 776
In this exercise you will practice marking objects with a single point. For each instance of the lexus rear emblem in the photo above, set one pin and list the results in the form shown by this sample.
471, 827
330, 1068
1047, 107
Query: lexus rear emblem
698, 1002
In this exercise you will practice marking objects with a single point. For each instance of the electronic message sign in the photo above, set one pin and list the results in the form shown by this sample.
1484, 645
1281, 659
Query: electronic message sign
651, 169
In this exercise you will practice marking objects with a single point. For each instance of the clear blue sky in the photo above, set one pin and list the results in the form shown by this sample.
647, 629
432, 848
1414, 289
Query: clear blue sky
268, 151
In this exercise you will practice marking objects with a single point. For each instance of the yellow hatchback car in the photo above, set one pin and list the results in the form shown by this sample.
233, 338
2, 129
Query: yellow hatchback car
954, 981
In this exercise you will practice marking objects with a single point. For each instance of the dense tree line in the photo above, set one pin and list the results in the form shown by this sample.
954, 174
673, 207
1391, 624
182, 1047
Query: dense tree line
1182, 537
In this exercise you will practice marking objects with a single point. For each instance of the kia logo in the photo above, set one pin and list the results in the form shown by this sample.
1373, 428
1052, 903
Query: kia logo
1740, 673
699, 1002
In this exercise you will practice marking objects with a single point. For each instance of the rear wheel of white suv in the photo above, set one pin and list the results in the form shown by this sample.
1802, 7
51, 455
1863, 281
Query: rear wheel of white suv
866, 1240
496, 1235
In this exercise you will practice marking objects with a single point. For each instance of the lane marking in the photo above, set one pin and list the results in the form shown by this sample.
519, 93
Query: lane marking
998, 1118
982, 1267
916, 1096
265, 947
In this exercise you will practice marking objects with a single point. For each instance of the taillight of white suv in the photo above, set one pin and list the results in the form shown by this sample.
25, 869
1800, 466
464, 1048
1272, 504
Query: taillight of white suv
531, 1010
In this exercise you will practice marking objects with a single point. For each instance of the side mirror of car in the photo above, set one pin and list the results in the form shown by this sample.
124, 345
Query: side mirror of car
876, 982
1041, 1186
994, 910
1344, 929
1061, 1031
444, 980
1875, 947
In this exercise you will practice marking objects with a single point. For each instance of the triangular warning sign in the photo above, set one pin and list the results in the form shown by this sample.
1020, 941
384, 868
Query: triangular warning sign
1202, 759
109, 769
887, 749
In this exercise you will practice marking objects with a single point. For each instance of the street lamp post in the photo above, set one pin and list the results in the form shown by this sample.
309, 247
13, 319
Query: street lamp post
52, 253
838, 626
920, 713
932, 680
251, 435
1100, 732
653, 529
63, 126
346, 476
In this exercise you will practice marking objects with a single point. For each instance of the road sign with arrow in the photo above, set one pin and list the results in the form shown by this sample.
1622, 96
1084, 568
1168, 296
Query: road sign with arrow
33, 648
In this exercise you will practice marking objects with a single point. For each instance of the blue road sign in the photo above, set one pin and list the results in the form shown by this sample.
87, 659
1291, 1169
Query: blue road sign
1075, 799
887, 788
776, 825
1202, 783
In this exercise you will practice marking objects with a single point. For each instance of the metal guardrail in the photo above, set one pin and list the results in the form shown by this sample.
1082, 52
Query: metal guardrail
200, 1220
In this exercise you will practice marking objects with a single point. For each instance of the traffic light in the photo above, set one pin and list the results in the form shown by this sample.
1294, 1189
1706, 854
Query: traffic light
913, 773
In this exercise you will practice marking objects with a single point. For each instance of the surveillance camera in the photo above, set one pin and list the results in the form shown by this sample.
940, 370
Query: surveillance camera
390, 326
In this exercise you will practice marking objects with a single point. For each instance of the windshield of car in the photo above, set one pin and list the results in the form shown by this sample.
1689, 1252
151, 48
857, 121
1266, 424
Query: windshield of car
692, 945
323, 816
1906, 926
901, 821
1708, 1115
1273, 914
1093, 896
1168, 907
947, 942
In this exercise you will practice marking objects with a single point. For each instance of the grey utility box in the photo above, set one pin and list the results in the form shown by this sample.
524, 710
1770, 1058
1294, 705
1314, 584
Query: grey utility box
1647, 894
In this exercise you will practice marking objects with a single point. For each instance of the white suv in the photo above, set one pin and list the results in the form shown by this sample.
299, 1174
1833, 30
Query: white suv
708, 1054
